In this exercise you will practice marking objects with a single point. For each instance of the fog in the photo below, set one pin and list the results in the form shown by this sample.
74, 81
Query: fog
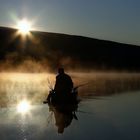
36, 86
109, 101
28, 65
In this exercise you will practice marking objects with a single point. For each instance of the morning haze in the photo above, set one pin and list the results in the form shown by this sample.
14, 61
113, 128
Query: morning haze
46, 51
69, 69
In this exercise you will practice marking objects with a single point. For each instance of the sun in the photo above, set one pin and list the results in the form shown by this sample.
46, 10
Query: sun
23, 107
24, 26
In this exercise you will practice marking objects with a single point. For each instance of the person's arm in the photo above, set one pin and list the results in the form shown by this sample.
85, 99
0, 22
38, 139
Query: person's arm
71, 82
55, 83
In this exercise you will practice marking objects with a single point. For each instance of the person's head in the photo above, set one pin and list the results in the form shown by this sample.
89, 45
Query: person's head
61, 71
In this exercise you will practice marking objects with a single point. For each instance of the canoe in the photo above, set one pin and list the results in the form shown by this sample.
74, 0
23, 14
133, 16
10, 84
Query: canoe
63, 98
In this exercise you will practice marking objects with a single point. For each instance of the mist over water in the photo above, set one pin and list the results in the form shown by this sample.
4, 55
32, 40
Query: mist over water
108, 101
17, 86
36, 86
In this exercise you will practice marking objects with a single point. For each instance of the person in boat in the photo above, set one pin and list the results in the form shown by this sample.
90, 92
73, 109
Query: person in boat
63, 84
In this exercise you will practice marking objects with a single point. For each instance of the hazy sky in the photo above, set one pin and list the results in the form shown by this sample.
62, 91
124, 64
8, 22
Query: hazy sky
117, 20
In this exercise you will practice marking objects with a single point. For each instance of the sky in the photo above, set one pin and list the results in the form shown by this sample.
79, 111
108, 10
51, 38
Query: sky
115, 20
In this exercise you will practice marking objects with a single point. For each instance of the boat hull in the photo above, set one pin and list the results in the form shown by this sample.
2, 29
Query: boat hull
63, 98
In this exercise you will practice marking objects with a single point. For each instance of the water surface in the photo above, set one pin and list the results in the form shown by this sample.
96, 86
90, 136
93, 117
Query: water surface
109, 108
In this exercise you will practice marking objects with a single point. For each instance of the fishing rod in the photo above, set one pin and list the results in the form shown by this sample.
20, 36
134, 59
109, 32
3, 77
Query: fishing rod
81, 85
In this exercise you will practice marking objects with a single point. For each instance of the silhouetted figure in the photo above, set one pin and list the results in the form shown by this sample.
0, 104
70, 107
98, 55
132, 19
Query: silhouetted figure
63, 83
62, 89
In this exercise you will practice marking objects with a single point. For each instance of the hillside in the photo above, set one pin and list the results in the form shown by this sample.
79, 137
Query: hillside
54, 49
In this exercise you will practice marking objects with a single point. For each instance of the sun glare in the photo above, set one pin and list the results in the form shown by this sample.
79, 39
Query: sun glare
23, 107
24, 26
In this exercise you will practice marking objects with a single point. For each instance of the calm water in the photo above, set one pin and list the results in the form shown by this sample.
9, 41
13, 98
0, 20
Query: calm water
109, 108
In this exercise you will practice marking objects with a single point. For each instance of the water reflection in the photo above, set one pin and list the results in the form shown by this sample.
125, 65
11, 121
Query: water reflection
113, 117
63, 115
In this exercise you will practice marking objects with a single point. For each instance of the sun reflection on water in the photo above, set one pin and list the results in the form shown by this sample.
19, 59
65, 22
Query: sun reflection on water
23, 107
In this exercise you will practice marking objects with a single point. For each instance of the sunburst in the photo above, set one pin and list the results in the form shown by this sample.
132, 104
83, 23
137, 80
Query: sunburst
24, 27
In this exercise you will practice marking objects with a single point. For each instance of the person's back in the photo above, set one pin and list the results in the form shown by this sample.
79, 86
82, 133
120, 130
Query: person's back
63, 86
63, 82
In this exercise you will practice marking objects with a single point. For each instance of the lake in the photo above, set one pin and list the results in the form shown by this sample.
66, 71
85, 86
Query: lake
108, 110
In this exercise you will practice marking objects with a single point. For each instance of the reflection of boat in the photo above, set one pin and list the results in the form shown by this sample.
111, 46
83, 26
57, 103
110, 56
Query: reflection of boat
64, 107
63, 115
63, 98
